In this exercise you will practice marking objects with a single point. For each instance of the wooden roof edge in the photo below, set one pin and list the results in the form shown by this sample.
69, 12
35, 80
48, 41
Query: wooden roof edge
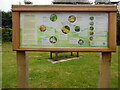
61, 7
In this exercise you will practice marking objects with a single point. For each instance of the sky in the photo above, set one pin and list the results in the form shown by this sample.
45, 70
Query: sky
5, 5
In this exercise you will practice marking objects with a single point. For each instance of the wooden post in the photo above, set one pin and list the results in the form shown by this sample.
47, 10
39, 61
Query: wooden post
50, 55
56, 56
104, 74
77, 54
22, 69
71, 53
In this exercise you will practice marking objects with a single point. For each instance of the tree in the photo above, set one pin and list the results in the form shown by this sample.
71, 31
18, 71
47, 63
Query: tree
118, 28
102, 1
71, 2
28, 2
6, 26
7, 19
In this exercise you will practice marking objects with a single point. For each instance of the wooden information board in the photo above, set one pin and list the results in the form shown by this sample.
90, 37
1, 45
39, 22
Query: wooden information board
64, 28
69, 28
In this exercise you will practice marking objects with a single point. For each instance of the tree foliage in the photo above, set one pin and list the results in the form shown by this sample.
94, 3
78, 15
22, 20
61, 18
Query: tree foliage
72, 3
7, 19
6, 26
118, 28
6, 34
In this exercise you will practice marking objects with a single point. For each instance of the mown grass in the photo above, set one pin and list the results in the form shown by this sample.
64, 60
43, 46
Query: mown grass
77, 73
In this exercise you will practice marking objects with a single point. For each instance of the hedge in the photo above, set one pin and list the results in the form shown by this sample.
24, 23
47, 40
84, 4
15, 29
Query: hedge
6, 35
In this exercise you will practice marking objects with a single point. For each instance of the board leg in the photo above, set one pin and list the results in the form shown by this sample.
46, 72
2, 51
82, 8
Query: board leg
50, 55
56, 56
71, 53
22, 69
77, 54
104, 73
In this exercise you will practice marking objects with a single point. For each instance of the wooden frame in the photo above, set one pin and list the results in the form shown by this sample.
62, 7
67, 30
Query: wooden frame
110, 9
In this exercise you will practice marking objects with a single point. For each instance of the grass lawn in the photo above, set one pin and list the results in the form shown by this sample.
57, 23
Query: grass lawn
77, 73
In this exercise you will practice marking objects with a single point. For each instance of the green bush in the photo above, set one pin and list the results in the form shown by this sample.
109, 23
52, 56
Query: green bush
6, 26
118, 29
6, 34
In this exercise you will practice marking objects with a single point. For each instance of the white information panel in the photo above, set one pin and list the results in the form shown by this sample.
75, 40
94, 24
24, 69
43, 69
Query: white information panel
64, 29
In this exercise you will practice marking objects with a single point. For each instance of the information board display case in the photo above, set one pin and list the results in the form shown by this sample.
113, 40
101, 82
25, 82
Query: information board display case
64, 28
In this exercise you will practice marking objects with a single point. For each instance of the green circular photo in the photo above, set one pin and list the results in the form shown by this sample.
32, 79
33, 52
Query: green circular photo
72, 18
77, 28
65, 29
80, 42
91, 38
53, 39
91, 18
91, 23
53, 17
91, 28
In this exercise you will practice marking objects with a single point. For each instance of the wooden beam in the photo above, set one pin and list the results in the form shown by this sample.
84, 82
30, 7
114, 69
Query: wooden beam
67, 49
112, 31
16, 30
62, 8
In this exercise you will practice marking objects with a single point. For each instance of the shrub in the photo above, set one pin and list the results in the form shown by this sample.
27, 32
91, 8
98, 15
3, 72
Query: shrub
6, 34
